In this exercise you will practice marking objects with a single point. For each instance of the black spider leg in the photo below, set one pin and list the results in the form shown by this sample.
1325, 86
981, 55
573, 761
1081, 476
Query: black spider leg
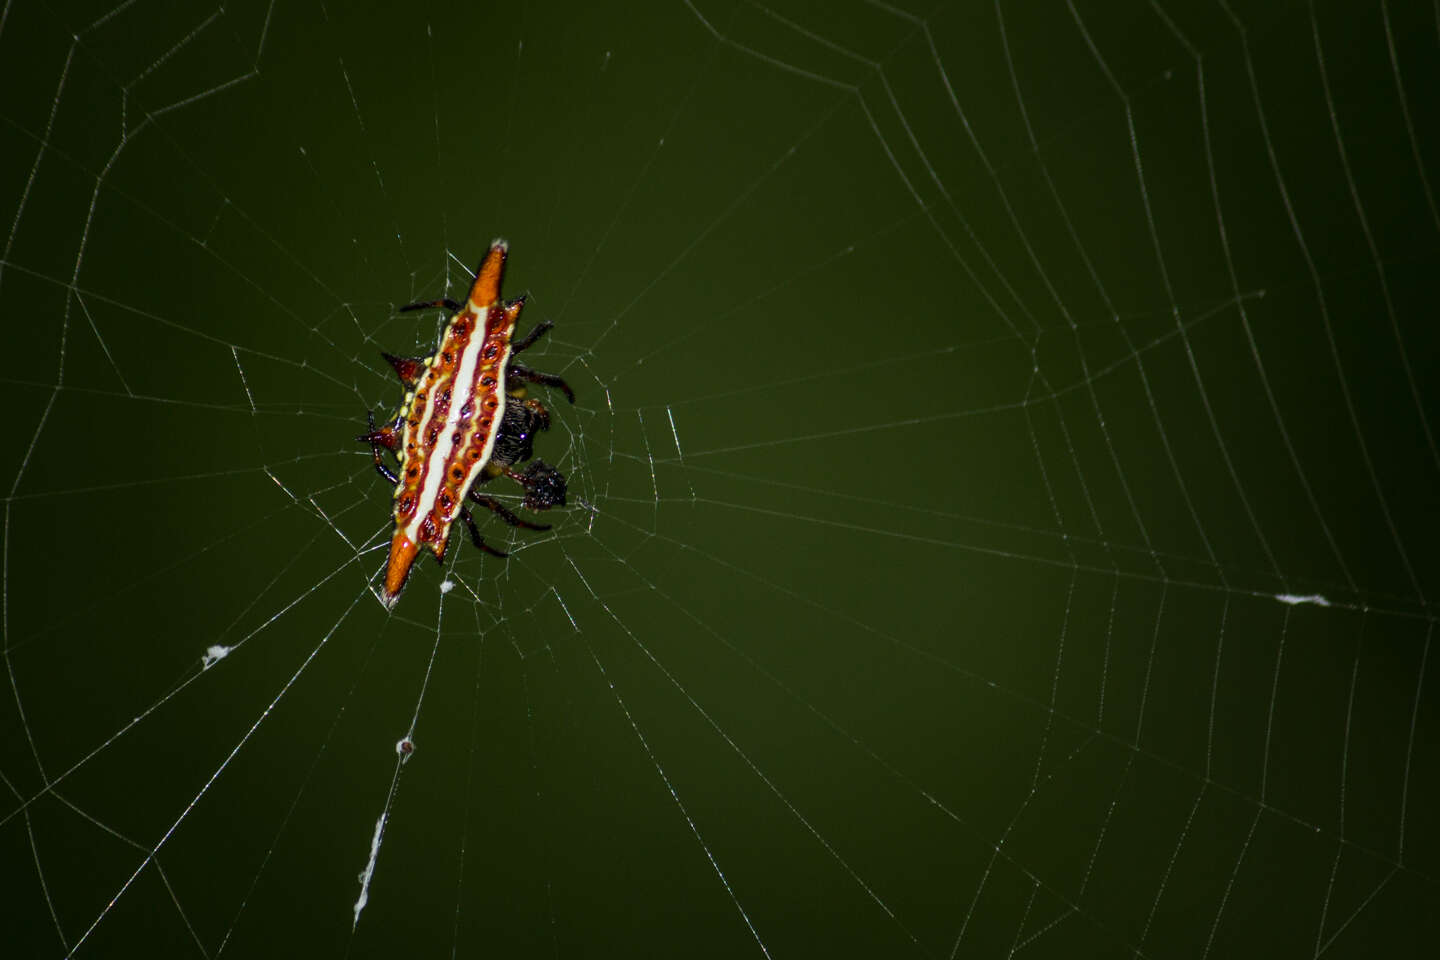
539, 331
500, 510
475, 535
517, 372
380, 467
445, 302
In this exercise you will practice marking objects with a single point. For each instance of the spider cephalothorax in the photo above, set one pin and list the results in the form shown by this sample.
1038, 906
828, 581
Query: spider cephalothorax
465, 420
544, 485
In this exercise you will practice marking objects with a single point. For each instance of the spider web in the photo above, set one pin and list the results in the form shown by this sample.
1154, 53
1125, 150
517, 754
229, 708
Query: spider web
1003, 481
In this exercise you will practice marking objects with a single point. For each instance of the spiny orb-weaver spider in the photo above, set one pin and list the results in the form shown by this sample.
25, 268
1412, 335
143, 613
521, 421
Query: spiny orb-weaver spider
465, 420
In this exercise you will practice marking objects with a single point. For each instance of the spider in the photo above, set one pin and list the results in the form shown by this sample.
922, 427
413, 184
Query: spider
465, 421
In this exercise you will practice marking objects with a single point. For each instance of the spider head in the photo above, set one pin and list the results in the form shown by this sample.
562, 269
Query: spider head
544, 486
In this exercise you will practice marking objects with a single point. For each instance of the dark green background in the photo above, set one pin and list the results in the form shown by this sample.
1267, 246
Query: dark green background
1019, 358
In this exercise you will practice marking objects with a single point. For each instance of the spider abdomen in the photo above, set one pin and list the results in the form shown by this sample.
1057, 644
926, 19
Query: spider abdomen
464, 420
445, 445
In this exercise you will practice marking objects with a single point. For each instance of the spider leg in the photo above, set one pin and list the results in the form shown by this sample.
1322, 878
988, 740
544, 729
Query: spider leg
539, 330
383, 470
445, 302
386, 437
517, 372
541, 416
490, 503
475, 535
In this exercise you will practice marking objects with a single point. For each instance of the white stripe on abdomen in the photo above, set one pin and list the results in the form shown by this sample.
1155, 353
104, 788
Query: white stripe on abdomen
435, 463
